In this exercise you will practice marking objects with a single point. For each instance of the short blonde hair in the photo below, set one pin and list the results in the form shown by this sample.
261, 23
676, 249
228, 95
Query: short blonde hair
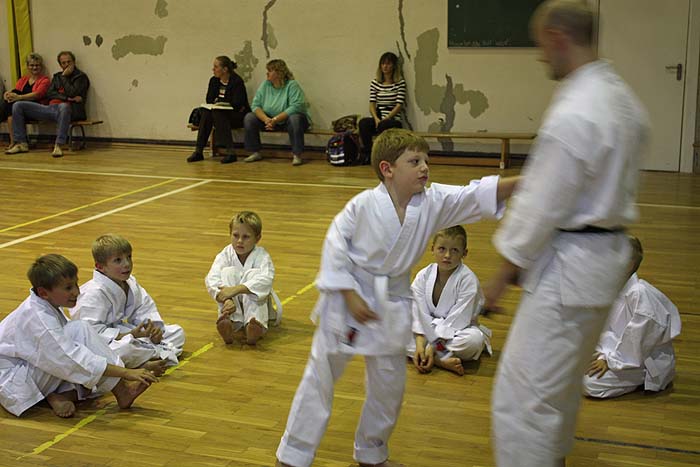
392, 143
573, 17
109, 245
248, 218
456, 231
48, 270
280, 67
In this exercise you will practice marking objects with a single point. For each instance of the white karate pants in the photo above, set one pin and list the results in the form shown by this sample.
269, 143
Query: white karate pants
538, 383
247, 308
613, 383
385, 380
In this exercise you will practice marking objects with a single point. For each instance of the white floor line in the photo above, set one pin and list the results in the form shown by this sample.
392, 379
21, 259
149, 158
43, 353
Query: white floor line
193, 179
97, 216
672, 206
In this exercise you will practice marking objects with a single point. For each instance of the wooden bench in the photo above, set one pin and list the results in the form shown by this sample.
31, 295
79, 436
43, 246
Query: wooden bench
81, 124
505, 138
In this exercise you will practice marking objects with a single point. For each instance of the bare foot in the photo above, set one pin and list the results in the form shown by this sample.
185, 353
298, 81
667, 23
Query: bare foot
226, 331
386, 463
61, 404
253, 331
452, 364
157, 367
126, 392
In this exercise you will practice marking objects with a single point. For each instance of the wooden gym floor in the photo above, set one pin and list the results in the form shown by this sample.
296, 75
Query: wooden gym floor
227, 405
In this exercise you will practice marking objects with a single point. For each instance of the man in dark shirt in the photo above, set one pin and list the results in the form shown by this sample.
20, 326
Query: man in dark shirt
66, 103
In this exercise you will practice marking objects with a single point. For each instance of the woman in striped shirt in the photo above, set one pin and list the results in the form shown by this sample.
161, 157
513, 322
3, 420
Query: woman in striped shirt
387, 95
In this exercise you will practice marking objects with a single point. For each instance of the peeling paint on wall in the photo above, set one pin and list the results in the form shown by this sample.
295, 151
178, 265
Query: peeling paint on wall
402, 26
431, 97
87, 40
246, 61
138, 45
401, 63
268, 37
161, 9
99, 40
134, 84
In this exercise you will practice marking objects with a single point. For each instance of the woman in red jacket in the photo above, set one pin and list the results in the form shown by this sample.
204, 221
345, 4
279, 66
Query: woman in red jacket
30, 87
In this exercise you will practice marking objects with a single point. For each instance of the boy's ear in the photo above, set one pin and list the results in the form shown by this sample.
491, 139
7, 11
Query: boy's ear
466, 250
385, 168
99, 267
257, 239
42, 292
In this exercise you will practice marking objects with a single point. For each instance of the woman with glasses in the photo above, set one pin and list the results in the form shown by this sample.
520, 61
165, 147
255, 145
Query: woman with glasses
32, 86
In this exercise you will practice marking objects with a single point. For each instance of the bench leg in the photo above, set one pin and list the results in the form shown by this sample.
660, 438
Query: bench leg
505, 154
82, 144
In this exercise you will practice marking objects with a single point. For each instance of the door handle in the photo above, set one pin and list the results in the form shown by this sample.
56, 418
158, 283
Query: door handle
679, 70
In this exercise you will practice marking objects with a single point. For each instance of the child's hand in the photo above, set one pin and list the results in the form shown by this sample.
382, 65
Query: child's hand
424, 358
140, 330
597, 367
141, 375
358, 307
227, 310
156, 334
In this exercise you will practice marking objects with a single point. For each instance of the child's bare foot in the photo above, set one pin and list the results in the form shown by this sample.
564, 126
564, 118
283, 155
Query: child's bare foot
61, 404
226, 331
157, 367
253, 331
126, 392
452, 364
386, 463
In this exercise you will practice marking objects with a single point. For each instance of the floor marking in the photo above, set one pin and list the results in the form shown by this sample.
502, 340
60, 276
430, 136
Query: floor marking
91, 418
673, 206
220, 180
635, 445
186, 360
7, 229
98, 216
301, 291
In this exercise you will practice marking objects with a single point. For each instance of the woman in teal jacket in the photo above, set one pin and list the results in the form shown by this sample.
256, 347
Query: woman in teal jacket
279, 104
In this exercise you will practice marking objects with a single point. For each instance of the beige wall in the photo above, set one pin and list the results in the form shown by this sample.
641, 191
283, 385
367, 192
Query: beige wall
332, 46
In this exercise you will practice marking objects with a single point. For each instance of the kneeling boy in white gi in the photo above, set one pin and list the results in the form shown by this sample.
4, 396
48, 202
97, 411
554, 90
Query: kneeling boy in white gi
365, 299
122, 312
447, 301
635, 347
240, 280
44, 356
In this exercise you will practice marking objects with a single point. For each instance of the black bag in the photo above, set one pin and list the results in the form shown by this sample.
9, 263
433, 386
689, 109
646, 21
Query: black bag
343, 149
195, 116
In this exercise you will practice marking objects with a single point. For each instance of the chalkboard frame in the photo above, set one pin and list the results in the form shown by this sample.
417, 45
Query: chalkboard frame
510, 20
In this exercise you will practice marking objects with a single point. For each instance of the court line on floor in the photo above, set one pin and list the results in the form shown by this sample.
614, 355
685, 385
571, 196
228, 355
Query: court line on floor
98, 216
636, 445
78, 208
91, 418
221, 180
260, 182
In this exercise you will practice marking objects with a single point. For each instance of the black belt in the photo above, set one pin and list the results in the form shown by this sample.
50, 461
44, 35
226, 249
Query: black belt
595, 229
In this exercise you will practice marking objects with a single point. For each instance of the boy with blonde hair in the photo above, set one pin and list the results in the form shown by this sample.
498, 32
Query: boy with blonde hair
122, 312
240, 280
365, 298
44, 356
447, 301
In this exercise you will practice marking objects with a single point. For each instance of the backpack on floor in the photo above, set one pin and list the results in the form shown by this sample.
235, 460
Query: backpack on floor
343, 149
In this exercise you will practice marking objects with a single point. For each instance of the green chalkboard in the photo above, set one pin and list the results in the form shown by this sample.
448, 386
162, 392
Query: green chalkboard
490, 23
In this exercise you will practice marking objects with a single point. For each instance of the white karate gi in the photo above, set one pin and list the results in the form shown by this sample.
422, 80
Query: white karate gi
257, 274
103, 304
582, 171
41, 352
636, 342
455, 319
369, 251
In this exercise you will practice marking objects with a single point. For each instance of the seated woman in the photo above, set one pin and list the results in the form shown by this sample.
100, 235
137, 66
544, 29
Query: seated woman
30, 87
279, 104
227, 89
387, 95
